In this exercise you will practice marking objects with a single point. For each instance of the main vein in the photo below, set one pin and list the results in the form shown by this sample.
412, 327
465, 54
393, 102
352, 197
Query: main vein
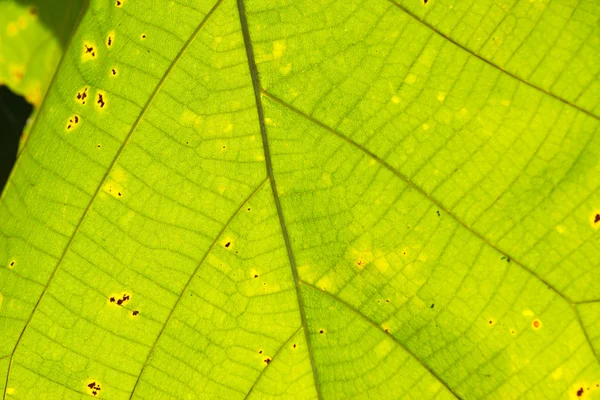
99, 187
269, 165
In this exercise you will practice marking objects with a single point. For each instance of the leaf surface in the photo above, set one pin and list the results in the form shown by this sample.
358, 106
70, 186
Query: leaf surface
283, 199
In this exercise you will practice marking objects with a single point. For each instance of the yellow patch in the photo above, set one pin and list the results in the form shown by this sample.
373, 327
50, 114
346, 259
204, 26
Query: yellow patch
285, 69
425, 127
505, 102
34, 94
89, 51
382, 264
557, 374
441, 97
22, 22
279, 47
12, 29
383, 348
395, 99
410, 79
528, 313
326, 178
11, 391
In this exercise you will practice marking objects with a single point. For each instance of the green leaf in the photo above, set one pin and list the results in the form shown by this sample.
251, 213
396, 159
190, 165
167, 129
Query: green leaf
33, 34
260, 199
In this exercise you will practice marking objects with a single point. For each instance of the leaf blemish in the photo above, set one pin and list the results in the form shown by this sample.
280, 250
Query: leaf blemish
113, 72
136, 312
227, 245
580, 392
95, 388
73, 122
101, 100
537, 324
82, 95
267, 360
89, 53
321, 331
143, 36
119, 3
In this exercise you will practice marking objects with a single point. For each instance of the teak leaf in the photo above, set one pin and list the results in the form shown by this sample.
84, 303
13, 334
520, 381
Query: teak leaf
310, 199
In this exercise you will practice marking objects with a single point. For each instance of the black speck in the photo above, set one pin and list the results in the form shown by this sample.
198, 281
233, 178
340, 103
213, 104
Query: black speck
227, 244
432, 305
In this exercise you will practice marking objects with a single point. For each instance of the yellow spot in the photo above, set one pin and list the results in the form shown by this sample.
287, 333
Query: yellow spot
100, 101
89, 51
372, 163
268, 121
595, 219
17, 72
34, 94
228, 128
441, 97
110, 40
1, 298
11, 391
126, 219
325, 283
561, 228
395, 99
362, 258
557, 374
505, 102
528, 313
12, 29
464, 111
326, 178
221, 189
187, 117
285, 69
119, 174
261, 157
279, 47
382, 264
425, 127
22, 22
73, 122
410, 79
383, 348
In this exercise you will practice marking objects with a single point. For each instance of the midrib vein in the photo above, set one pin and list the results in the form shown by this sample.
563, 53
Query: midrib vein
269, 166
414, 186
99, 187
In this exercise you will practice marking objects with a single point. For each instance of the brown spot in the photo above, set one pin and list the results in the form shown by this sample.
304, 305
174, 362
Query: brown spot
119, 3
100, 101
143, 36
433, 305
136, 312
267, 360
294, 345
109, 41
114, 72
33, 11
536, 324
322, 331
12, 263
88, 49
580, 392
260, 352
597, 218
112, 300
255, 276
227, 244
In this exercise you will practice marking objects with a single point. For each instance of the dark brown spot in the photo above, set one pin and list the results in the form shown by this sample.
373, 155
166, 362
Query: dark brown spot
580, 392
112, 300
255, 276
120, 301
294, 345
597, 218
33, 11
438, 212
109, 41
143, 36
114, 71
119, 3
12, 263
101, 100
227, 244
267, 360
136, 312
89, 49
433, 305
321, 331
